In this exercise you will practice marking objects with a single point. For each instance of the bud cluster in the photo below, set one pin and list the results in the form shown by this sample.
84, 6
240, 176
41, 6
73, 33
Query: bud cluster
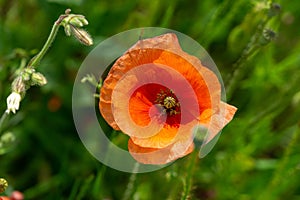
73, 24
268, 34
27, 77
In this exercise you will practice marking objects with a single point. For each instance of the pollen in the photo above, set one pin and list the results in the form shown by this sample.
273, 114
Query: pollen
167, 100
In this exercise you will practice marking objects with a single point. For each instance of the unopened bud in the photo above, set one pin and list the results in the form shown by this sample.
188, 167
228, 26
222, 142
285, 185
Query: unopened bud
83, 20
274, 10
267, 36
38, 79
81, 35
68, 29
68, 11
76, 22
3, 185
72, 24
18, 85
26, 73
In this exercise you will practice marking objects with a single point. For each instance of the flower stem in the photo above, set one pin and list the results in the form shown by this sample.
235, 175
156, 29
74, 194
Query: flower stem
256, 42
188, 179
36, 59
239, 65
2, 119
130, 186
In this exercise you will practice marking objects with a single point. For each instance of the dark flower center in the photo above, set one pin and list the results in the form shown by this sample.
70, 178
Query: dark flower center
167, 100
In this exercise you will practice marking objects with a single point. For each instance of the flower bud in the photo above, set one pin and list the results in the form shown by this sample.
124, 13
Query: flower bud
267, 36
75, 22
26, 73
67, 30
38, 79
83, 20
68, 11
18, 85
81, 35
3, 185
274, 10
72, 24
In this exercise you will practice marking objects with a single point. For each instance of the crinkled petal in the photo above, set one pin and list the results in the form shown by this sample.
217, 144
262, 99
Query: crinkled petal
164, 50
156, 156
215, 122
154, 142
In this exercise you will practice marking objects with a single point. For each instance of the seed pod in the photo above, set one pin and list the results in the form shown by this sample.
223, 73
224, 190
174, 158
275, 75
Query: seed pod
3, 185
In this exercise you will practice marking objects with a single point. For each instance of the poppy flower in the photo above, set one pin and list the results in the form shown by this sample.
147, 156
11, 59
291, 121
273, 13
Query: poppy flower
157, 94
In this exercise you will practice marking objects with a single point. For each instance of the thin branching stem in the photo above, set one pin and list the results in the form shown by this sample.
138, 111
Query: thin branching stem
238, 67
36, 59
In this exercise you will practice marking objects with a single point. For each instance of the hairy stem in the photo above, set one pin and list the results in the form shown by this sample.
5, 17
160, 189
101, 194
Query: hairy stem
188, 179
36, 60
130, 186
239, 67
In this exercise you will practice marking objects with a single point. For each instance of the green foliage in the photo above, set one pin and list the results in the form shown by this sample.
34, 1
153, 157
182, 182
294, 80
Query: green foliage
256, 157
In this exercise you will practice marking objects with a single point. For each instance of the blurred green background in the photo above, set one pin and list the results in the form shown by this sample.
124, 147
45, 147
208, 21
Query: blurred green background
256, 157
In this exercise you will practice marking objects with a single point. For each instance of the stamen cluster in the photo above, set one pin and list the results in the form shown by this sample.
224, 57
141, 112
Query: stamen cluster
167, 100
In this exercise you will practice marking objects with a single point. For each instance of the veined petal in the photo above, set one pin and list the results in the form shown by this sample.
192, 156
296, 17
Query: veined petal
157, 156
162, 132
215, 122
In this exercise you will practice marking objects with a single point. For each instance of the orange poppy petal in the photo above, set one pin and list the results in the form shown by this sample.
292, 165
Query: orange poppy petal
204, 82
132, 107
218, 120
121, 66
156, 156
158, 138
165, 50
167, 136
4, 198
